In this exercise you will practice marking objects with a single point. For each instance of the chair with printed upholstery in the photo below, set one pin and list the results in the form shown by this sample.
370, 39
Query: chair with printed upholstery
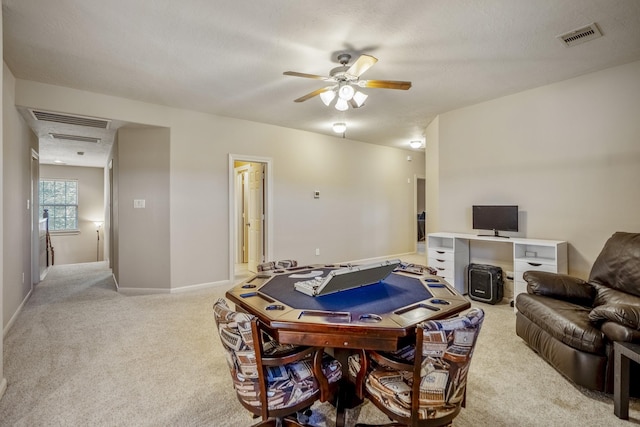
276, 265
276, 382
425, 388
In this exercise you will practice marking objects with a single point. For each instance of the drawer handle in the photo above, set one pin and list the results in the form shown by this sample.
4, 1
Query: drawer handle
440, 252
440, 260
534, 264
440, 268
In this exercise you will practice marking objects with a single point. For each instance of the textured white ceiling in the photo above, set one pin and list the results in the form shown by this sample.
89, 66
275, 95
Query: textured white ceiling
227, 57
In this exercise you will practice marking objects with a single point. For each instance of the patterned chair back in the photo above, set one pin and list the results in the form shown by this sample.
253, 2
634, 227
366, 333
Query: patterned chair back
275, 265
287, 385
430, 388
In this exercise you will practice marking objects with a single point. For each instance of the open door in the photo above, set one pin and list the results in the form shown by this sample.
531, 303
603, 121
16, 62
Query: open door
251, 214
256, 215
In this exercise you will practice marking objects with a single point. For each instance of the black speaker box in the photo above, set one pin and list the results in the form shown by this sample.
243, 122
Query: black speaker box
485, 283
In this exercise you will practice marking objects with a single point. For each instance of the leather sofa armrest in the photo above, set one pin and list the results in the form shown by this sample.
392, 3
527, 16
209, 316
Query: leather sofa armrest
617, 332
560, 286
624, 314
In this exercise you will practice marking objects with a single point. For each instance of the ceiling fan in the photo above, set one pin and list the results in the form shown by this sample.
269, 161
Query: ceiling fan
345, 80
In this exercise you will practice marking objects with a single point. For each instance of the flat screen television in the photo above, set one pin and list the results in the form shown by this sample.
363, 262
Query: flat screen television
495, 218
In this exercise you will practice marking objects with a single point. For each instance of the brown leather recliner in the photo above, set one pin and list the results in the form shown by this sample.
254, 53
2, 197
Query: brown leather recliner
572, 324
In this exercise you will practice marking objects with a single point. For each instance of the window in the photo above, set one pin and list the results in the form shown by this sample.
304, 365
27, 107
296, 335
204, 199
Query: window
60, 197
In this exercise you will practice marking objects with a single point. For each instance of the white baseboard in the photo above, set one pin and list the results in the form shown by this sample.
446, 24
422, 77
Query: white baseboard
200, 286
381, 258
188, 288
15, 315
3, 387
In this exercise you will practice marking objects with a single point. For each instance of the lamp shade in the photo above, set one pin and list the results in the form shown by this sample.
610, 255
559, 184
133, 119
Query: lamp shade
358, 99
346, 92
327, 97
341, 105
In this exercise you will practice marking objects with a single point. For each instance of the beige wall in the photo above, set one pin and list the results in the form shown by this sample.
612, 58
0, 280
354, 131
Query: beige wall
143, 237
18, 141
365, 211
568, 154
82, 247
432, 181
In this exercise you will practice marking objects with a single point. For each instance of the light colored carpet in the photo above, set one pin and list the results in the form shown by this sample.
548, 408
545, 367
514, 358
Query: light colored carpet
81, 354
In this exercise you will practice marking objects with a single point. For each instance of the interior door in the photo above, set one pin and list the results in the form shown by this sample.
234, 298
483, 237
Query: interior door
256, 215
242, 214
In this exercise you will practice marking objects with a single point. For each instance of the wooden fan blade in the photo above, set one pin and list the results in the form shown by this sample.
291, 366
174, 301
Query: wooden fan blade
361, 65
312, 94
385, 84
308, 76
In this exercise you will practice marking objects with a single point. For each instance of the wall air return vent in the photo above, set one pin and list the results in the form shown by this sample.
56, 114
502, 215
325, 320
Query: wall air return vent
75, 137
69, 119
580, 35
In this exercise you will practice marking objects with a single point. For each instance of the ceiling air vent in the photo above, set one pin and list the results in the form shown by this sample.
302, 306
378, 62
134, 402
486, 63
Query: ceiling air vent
75, 137
580, 35
69, 119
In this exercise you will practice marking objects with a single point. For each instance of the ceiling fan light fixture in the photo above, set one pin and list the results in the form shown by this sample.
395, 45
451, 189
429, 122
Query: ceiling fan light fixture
327, 97
341, 105
346, 92
339, 127
358, 99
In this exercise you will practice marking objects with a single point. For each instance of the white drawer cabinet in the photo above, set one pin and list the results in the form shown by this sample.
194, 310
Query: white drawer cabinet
449, 254
441, 254
537, 255
520, 267
445, 268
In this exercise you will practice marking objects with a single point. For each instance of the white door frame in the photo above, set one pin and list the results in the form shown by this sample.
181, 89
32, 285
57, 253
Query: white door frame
268, 208
35, 218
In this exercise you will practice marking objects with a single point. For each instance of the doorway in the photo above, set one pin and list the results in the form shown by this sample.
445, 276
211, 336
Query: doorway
250, 216
39, 265
421, 214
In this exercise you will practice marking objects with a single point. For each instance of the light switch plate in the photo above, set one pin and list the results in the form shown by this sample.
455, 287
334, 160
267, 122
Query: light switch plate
138, 203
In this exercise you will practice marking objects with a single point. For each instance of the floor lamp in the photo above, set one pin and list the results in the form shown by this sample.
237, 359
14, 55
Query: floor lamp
98, 225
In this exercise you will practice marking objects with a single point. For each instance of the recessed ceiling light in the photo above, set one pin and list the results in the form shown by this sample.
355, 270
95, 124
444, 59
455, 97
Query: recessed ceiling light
339, 127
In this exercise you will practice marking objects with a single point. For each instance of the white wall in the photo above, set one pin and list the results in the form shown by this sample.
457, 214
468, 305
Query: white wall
365, 211
18, 140
568, 154
82, 247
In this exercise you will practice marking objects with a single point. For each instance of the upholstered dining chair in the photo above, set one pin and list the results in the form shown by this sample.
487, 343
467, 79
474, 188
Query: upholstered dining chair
421, 388
275, 382
275, 265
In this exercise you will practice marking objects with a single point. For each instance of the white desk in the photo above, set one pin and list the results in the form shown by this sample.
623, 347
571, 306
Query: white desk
449, 254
